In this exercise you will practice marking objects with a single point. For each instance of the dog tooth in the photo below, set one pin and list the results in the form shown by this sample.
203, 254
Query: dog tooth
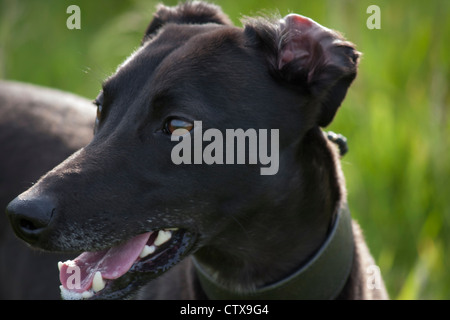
163, 236
98, 283
87, 294
147, 250
67, 294
60, 264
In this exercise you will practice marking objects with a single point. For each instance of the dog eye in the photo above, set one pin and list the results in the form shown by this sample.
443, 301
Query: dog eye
99, 114
99, 110
174, 124
99, 103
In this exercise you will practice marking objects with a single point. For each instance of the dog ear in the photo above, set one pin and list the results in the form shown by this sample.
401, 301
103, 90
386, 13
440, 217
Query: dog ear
191, 12
304, 53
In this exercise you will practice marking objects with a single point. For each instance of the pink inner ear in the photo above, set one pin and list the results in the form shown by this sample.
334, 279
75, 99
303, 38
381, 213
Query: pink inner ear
300, 32
299, 20
295, 49
286, 56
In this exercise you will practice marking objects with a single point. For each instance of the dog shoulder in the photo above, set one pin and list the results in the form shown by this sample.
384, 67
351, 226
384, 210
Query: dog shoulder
366, 282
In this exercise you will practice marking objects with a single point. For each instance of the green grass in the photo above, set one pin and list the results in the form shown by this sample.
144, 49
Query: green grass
396, 115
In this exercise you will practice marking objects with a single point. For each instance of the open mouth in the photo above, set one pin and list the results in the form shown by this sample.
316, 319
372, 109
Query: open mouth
117, 272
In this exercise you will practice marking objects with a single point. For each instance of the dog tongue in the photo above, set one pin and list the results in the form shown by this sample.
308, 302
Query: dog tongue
77, 275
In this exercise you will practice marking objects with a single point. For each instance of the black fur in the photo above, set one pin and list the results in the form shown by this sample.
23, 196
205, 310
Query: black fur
39, 128
251, 230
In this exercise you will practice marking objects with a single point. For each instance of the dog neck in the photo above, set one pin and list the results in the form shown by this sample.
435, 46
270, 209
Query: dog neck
323, 277
283, 236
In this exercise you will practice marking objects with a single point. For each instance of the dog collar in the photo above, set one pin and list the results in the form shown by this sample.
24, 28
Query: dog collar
322, 278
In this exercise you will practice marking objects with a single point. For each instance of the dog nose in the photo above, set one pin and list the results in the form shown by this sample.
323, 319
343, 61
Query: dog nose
30, 217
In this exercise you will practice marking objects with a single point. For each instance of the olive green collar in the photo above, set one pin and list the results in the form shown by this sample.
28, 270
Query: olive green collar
322, 278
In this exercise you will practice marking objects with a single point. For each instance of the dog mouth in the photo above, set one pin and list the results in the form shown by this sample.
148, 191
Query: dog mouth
118, 272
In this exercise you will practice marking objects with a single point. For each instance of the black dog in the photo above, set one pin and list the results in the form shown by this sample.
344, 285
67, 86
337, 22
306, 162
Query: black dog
137, 214
39, 128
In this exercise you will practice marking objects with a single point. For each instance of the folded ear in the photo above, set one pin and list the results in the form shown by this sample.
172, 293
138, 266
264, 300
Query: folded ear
304, 53
191, 12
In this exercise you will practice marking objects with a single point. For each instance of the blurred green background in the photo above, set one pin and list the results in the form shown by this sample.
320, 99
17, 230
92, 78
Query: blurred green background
396, 115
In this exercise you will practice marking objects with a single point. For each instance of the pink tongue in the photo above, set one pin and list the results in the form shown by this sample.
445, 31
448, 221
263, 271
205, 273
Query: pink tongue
77, 274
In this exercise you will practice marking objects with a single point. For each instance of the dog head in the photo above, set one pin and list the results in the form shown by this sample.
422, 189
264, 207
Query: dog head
123, 192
